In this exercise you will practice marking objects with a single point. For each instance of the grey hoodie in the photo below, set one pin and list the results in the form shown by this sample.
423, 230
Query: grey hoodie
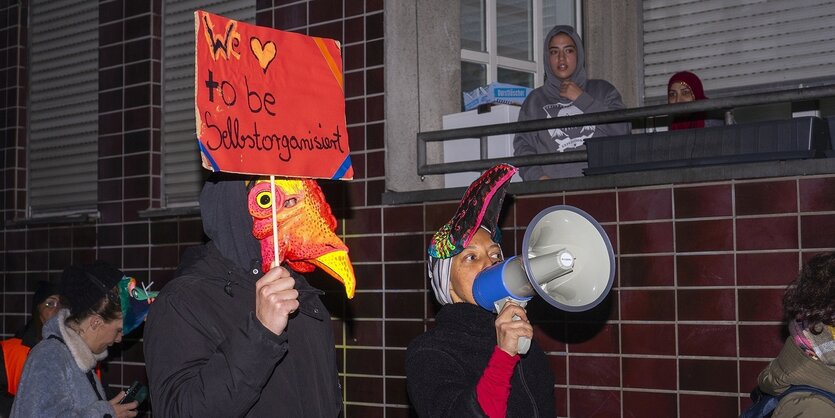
54, 381
545, 102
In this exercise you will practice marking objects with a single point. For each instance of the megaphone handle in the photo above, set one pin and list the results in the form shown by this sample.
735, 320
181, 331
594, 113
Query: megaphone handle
523, 344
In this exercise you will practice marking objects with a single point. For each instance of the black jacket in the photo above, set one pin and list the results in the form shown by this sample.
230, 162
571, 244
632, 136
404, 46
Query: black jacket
444, 365
208, 356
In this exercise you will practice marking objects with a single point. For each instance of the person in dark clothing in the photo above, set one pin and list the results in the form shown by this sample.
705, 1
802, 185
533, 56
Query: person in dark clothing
467, 365
15, 350
225, 340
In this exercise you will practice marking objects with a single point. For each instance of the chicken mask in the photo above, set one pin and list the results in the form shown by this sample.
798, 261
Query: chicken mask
305, 229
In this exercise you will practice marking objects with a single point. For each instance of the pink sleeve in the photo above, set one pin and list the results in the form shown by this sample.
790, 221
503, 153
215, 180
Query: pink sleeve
493, 388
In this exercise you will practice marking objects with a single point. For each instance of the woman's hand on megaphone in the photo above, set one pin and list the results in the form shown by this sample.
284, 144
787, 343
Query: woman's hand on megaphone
509, 330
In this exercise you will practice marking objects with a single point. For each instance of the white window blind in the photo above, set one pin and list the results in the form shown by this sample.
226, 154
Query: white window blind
63, 105
183, 174
745, 45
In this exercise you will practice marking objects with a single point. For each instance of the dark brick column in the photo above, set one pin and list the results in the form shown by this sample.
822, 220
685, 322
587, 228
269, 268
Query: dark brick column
129, 125
13, 29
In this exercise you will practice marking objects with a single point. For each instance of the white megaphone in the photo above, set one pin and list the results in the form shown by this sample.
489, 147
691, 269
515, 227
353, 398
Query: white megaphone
567, 260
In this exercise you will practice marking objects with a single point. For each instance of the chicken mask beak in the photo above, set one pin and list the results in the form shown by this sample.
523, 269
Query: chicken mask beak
338, 265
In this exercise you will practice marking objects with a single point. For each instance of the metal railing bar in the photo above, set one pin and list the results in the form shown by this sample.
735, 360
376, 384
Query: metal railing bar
522, 161
613, 116
482, 132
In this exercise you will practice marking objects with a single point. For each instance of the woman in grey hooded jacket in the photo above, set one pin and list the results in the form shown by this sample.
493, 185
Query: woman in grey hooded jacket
566, 92
58, 378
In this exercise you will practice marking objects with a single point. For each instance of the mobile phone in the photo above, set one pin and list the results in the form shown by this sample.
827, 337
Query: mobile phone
136, 392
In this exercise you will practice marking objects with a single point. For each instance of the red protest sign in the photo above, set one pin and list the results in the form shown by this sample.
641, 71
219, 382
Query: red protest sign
269, 102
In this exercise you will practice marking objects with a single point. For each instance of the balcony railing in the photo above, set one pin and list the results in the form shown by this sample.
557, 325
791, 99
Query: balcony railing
635, 114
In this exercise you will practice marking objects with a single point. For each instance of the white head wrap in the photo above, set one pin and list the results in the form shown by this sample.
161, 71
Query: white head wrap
439, 276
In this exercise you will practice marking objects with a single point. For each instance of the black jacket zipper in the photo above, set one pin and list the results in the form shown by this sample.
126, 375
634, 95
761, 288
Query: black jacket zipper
527, 389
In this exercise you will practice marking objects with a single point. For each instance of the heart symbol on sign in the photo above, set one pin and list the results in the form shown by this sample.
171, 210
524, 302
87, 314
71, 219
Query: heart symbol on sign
264, 53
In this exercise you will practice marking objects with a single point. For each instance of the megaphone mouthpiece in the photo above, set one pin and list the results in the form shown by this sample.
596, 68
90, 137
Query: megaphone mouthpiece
501, 281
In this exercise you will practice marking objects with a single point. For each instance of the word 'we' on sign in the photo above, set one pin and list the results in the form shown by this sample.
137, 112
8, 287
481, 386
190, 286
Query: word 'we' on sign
269, 102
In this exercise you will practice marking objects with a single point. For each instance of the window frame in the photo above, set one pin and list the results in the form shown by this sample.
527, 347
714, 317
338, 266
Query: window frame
492, 60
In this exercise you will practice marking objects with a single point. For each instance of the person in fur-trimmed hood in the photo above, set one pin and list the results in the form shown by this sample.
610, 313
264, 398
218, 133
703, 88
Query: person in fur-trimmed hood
566, 92
58, 378
808, 356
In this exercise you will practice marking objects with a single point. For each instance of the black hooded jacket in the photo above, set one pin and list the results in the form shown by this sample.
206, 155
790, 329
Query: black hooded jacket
206, 353
444, 365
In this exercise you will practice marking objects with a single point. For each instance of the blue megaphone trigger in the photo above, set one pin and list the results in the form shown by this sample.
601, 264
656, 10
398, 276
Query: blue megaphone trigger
489, 286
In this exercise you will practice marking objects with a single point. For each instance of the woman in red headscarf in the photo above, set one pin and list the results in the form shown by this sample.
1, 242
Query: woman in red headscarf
684, 87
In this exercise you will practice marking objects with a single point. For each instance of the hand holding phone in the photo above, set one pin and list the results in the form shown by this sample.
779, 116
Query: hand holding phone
136, 392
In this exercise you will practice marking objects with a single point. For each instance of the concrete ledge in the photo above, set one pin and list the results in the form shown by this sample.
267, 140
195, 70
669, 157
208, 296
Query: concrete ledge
747, 171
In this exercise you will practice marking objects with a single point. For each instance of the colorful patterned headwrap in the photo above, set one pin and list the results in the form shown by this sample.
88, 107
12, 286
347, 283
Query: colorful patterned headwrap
480, 207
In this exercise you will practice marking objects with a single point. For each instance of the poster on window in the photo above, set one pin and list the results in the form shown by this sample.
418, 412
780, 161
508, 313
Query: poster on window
269, 102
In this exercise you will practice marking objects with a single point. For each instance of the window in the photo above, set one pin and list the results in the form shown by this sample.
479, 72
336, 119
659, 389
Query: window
182, 172
63, 106
501, 40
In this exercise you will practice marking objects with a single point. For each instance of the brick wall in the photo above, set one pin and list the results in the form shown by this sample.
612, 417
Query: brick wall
693, 317
695, 312
13, 116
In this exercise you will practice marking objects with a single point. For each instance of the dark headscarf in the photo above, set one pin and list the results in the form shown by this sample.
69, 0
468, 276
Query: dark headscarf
695, 120
227, 222
83, 287
43, 290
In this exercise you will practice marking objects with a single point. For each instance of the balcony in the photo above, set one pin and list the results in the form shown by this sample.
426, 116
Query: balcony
775, 148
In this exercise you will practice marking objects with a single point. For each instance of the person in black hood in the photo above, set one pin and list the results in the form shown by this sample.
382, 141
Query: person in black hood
223, 339
566, 92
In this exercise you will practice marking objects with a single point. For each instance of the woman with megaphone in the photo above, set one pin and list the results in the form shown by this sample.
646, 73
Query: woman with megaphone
468, 364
